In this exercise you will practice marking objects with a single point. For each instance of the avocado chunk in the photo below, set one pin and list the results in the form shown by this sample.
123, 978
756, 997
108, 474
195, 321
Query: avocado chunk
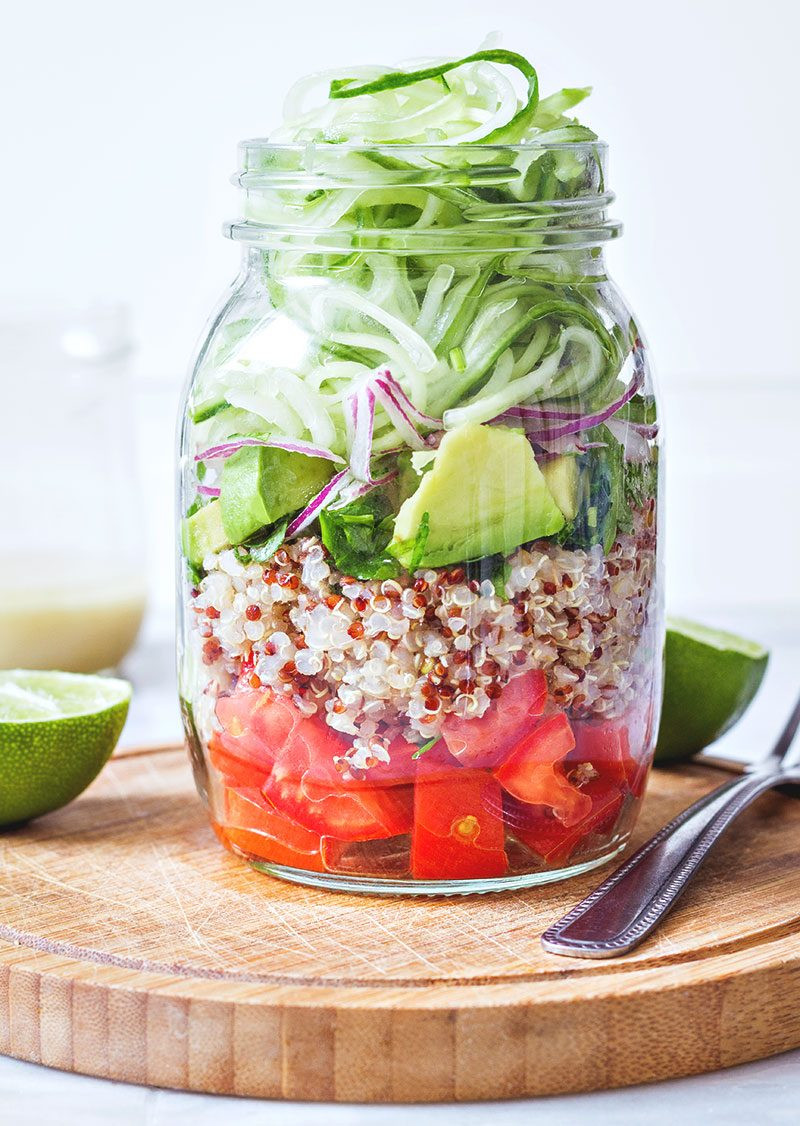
260, 484
484, 495
562, 478
203, 533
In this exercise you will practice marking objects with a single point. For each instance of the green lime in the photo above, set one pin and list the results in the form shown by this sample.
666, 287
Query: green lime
710, 679
57, 729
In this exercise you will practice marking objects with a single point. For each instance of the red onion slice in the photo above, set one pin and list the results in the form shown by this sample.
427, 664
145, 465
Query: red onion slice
208, 491
292, 445
399, 416
634, 444
586, 421
413, 413
645, 429
355, 489
363, 415
320, 501
539, 414
566, 445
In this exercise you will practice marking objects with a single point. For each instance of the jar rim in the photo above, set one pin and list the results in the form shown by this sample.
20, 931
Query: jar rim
269, 173
264, 144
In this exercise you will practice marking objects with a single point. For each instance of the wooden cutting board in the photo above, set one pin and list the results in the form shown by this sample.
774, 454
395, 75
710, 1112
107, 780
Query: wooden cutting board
133, 947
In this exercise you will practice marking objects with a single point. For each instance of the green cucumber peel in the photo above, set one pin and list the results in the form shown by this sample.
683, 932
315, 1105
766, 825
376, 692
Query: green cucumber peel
208, 410
559, 308
397, 79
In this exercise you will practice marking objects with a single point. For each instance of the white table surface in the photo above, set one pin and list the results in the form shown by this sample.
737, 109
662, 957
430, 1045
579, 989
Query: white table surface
764, 1092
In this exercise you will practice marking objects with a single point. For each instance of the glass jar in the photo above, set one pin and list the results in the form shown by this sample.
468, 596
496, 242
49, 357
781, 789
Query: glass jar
421, 641
72, 583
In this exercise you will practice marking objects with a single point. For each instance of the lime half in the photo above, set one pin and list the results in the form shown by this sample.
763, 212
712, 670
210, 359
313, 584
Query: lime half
57, 729
710, 679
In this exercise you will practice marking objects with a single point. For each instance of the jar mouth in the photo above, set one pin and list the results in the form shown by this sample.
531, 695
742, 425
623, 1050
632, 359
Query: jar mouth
254, 148
264, 143
324, 196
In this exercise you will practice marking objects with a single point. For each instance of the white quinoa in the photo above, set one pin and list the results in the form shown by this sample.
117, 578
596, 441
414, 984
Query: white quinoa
383, 658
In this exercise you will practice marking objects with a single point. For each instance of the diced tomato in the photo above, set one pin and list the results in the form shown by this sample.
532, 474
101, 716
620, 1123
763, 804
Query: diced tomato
457, 833
305, 785
606, 746
485, 742
539, 829
257, 721
533, 773
254, 827
256, 725
237, 770
267, 742
553, 822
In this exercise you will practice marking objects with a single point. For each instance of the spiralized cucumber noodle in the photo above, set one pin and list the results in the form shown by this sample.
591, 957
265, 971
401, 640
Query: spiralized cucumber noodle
433, 223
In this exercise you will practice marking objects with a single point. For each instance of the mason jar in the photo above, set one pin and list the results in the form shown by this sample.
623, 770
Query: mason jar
72, 583
422, 631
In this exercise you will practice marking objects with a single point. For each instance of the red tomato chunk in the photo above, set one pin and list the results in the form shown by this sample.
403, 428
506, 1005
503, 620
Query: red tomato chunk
485, 742
549, 783
457, 834
305, 786
607, 747
254, 827
255, 727
599, 765
266, 742
552, 840
533, 773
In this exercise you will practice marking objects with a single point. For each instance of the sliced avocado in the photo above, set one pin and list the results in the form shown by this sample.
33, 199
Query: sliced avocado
484, 495
260, 484
562, 477
203, 533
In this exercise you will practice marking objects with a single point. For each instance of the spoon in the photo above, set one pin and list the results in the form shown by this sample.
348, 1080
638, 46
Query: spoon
631, 903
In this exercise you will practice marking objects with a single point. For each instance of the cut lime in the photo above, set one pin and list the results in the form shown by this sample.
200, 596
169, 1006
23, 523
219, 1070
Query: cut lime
57, 729
710, 679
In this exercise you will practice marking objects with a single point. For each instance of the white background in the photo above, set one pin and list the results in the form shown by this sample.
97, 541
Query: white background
120, 126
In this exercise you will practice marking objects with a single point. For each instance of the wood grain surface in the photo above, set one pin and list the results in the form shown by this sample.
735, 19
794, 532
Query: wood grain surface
133, 947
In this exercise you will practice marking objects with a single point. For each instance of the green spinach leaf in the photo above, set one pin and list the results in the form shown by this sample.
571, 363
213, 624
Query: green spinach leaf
261, 547
358, 535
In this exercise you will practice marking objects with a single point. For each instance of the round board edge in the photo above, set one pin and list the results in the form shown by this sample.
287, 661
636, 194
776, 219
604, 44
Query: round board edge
370, 1048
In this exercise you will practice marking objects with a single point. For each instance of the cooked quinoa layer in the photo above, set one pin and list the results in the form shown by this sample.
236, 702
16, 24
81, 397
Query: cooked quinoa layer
383, 658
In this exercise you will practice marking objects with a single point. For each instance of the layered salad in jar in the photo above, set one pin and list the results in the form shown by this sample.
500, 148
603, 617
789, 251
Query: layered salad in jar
421, 641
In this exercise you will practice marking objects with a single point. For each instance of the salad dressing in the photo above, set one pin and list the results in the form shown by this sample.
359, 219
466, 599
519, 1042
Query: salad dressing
87, 619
